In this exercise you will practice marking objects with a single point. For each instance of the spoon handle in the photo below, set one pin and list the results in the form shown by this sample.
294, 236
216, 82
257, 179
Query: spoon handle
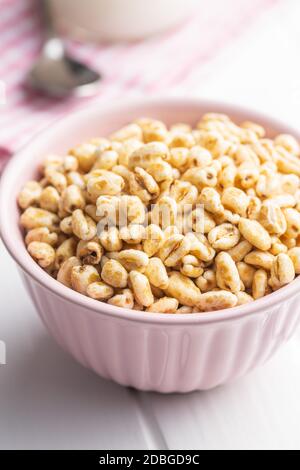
48, 20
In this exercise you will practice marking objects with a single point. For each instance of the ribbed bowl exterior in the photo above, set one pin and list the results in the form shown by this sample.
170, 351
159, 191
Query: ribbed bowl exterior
165, 358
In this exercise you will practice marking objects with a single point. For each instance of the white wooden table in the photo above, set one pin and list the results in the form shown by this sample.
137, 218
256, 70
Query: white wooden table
48, 401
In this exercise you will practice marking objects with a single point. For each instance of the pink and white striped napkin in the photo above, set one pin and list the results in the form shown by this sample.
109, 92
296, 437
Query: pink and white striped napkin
171, 61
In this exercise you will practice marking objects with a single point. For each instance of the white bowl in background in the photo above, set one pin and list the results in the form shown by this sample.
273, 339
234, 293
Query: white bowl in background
114, 20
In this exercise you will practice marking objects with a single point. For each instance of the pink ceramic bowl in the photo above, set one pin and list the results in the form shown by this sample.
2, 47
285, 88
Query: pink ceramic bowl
166, 353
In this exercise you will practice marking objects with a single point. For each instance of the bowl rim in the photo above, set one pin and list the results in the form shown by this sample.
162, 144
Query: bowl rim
31, 268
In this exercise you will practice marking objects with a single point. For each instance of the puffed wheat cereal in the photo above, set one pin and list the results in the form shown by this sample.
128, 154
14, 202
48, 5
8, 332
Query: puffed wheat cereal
170, 220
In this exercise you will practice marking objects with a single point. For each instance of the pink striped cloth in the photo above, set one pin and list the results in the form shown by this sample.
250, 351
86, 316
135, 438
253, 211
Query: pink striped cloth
169, 62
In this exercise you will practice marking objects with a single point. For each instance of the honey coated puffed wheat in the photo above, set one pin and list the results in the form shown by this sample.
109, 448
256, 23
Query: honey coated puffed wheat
169, 220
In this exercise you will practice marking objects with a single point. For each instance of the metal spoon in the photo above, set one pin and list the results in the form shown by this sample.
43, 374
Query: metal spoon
57, 74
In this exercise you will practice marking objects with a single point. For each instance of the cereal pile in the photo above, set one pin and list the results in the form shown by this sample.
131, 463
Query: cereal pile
176, 220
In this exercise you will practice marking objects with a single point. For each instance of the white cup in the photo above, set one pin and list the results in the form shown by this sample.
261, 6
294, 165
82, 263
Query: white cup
114, 20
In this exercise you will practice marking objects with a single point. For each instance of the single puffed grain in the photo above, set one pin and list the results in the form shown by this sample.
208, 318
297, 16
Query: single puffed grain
42, 252
30, 194
157, 273
216, 300
141, 288
227, 274
41, 234
114, 274
82, 277
164, 305
183, 289
99, 291
65, 270
255, 233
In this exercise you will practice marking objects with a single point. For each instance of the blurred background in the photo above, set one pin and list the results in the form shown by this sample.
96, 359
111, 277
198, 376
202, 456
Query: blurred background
233, 50
237, 51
